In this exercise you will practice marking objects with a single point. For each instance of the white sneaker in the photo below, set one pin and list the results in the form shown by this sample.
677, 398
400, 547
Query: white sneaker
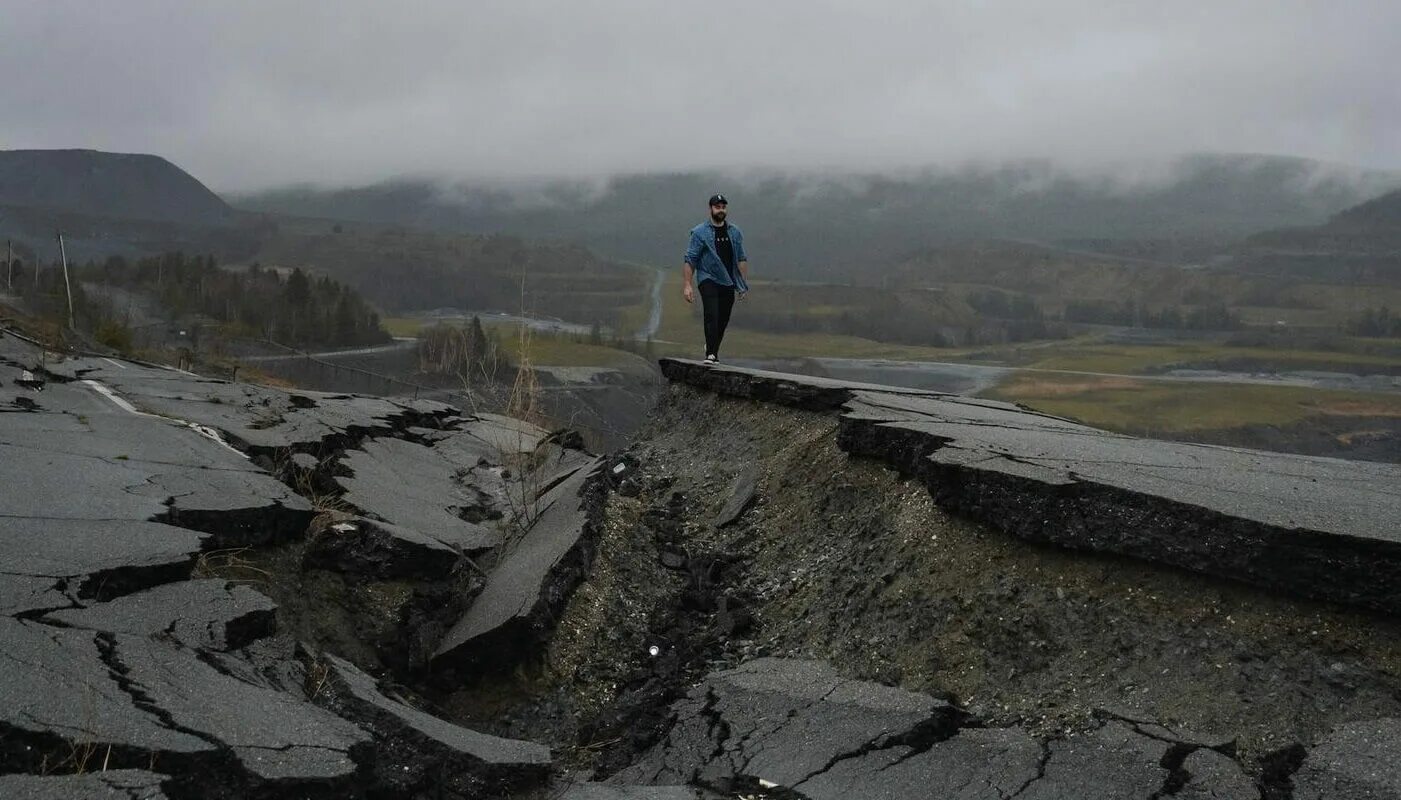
711, 360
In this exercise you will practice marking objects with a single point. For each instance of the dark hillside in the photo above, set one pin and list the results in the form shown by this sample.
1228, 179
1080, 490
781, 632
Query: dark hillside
1361, 244
117, 185
1380, 216
403, 270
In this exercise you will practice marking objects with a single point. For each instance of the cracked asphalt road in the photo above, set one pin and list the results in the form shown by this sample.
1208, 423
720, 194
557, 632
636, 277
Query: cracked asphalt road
182, 556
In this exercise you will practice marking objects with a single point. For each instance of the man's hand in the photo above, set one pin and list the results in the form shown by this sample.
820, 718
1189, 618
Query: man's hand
740, 295
688, 293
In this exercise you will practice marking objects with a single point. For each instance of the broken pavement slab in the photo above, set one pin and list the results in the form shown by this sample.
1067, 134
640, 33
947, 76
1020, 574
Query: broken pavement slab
117, 784
418, 752
277, 738
1356, 761
1316, 527
506, 435
531, 581
799, 725
254, 418
210, 614
132, 700
116, 660
371, 548
58, 681
90, 559
107, 464
412, 486
785, 721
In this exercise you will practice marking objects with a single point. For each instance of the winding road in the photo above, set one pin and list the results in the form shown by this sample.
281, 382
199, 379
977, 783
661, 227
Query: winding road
654, 317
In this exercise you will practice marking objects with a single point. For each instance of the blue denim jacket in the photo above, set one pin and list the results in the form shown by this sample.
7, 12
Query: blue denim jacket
705, 260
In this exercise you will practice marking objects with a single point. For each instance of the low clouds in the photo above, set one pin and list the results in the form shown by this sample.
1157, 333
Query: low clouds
255, 94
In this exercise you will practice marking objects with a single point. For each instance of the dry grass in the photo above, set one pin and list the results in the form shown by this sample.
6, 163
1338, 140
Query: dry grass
1350, 407
317, 673
230, 564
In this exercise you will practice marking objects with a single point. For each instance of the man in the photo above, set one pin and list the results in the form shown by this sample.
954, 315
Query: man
717, 260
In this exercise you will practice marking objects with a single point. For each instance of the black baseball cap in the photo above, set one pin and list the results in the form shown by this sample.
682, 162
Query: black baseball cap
718, 200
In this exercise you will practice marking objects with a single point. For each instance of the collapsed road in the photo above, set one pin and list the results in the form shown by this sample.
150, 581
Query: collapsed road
786, 587
182, 556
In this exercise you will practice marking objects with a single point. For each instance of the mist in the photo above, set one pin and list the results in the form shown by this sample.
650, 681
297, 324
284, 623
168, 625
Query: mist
266, 94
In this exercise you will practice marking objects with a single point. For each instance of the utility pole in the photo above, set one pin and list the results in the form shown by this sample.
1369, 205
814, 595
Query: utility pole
66, 284
9, 267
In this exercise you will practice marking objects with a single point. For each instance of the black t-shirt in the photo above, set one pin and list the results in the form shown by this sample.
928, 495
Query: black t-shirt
724, 248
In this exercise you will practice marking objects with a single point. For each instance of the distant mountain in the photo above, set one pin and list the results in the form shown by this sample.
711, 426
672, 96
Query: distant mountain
849, 227
115, 204
1361, 244
111, 204
112, 185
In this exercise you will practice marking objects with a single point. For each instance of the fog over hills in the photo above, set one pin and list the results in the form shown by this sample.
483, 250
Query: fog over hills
832, 225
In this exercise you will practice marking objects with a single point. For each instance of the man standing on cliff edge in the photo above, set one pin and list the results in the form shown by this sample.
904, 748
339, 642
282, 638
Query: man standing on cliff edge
716, 258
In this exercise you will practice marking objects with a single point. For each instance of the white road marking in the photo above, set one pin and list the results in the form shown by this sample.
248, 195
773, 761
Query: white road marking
114, 363
121, 402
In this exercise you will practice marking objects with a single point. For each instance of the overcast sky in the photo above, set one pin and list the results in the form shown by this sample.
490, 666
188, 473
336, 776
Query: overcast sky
251, 94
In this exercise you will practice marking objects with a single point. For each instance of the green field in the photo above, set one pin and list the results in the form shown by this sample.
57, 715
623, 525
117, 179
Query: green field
1155, 407
546, 349
402, 326
552, 350
1087, 356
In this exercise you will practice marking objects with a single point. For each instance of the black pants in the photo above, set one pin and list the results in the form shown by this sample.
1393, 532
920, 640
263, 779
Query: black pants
716, 301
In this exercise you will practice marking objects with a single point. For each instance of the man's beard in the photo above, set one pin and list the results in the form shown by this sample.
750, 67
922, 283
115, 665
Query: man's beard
717, 218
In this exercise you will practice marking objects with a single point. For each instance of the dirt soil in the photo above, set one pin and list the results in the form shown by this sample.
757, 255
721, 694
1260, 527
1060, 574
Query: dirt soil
842, 560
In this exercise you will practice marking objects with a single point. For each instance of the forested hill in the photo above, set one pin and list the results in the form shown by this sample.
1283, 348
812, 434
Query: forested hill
836, 227
1380, 216
112, 185
1361, 244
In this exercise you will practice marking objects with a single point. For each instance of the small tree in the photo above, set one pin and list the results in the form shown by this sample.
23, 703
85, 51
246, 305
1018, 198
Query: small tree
298, 291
